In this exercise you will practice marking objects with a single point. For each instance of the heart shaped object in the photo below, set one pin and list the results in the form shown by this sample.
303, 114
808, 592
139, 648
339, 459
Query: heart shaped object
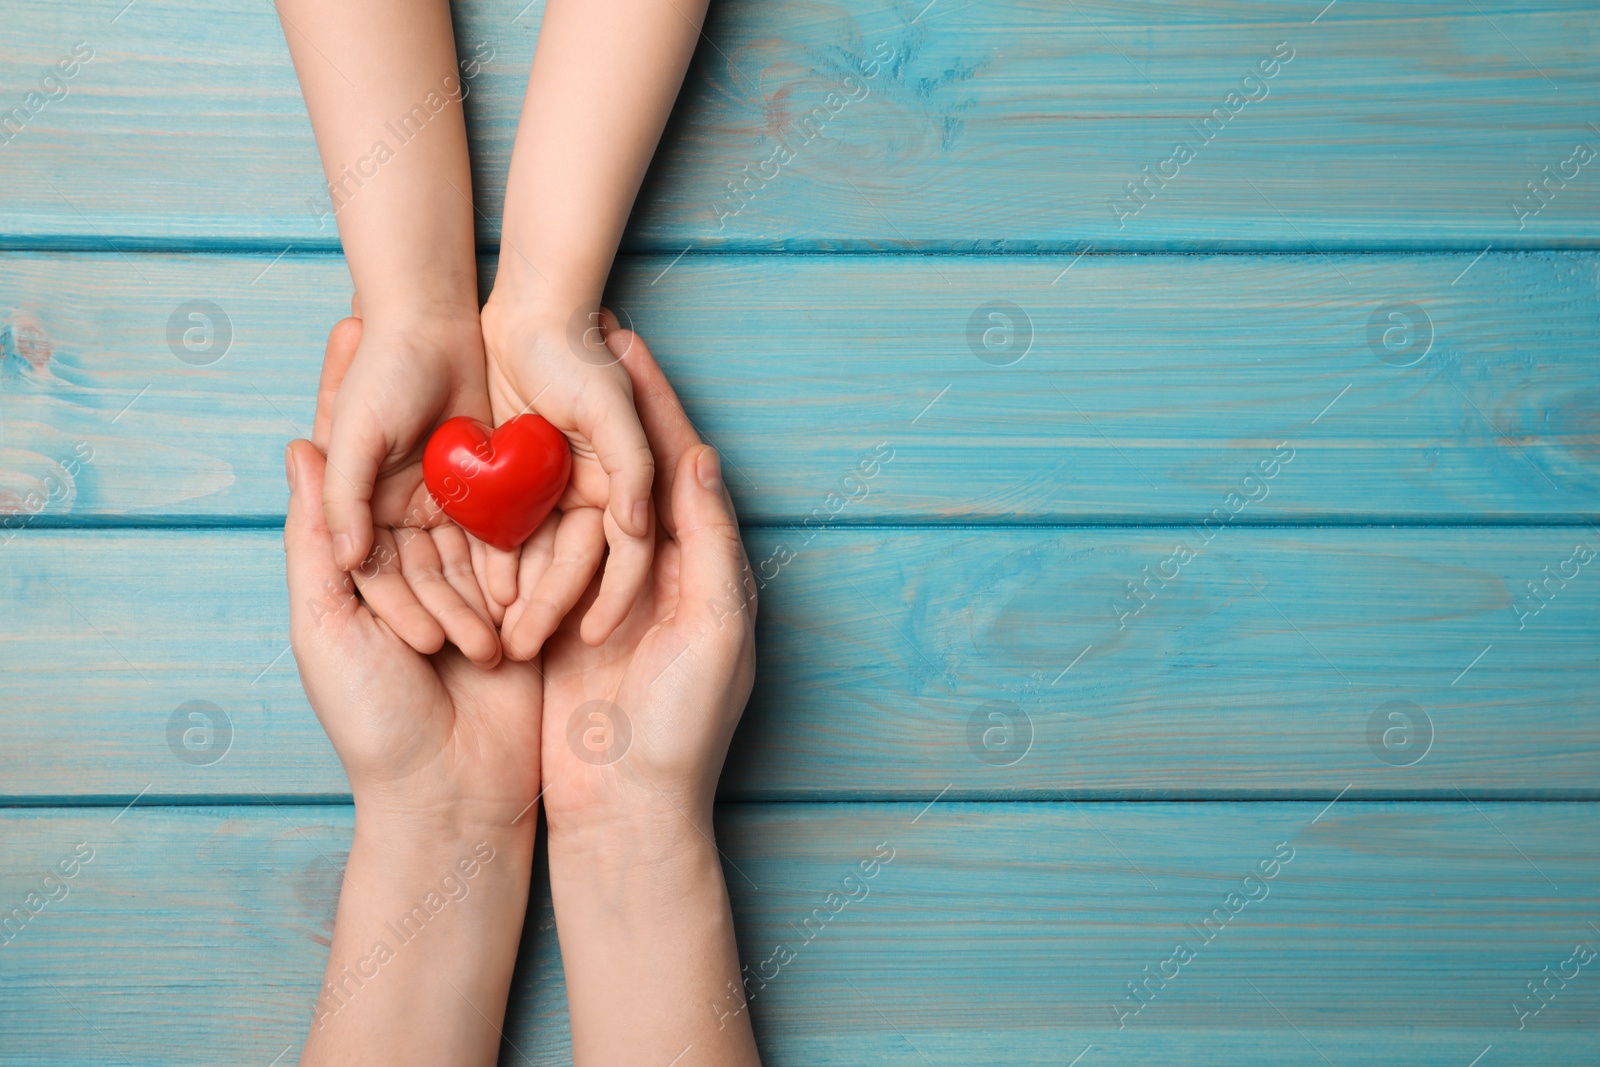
497, 485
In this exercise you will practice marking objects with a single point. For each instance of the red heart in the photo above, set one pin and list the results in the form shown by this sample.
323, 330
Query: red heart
498, 486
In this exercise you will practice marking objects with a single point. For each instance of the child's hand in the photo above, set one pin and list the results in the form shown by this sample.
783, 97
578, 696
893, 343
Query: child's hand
575, 379
380, 396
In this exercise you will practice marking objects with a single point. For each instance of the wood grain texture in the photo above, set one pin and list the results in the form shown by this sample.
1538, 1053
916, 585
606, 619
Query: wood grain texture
992, 934
1132, 389
897, 663
997, 126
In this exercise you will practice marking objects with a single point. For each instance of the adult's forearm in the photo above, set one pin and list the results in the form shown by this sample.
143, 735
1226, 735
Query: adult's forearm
384, 95
424, 946
647, 943
605, 75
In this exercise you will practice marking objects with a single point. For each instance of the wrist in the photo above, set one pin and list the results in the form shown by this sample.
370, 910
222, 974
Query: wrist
420, 841
658, 837
524, 299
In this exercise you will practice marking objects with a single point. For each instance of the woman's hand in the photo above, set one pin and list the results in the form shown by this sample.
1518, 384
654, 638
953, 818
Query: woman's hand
636, 730
442, 758
675, 674
563, 369
418, 735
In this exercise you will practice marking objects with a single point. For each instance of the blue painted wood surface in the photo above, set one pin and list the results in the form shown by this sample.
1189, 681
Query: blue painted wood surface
1127, 389
1013, 125
996, 934
1060, 414
1269, 668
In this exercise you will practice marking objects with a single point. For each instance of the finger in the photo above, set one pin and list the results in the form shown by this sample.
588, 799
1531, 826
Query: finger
574, 558
356, 447
318, 587
455, 558
384, 589
533, 559
343, 340
714, 579
480, 571
501, 580
627, 569
667, 428
424, 573
624, 454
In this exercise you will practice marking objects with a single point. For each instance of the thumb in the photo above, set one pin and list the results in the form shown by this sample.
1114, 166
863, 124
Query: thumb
317, 585
715, 582
356, 448
343, 340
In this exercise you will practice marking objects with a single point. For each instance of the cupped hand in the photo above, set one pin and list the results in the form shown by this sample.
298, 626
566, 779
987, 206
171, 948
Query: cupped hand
566, 371
425, 739
381, 394
641, 722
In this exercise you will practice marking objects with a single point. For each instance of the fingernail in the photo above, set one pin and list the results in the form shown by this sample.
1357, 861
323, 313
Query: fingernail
641, 516
341, 547
709, 469
290, 470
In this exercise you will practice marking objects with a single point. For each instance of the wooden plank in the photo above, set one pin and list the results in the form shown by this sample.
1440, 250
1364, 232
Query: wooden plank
1013, 126
897, 663
994, 933
1143, 388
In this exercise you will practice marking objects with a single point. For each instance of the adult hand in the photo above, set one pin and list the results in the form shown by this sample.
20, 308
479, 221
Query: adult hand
658, 700
420, 737
635, 733
443, 766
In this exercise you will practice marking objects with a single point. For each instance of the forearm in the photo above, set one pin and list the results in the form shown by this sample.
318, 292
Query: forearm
384, 95
423, 948
647, 943
604, 78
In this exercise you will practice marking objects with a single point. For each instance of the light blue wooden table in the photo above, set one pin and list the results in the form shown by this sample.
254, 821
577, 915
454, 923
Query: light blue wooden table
1215, 644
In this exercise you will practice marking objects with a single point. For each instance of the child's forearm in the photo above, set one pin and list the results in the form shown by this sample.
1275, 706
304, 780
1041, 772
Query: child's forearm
605, 75
384, 94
